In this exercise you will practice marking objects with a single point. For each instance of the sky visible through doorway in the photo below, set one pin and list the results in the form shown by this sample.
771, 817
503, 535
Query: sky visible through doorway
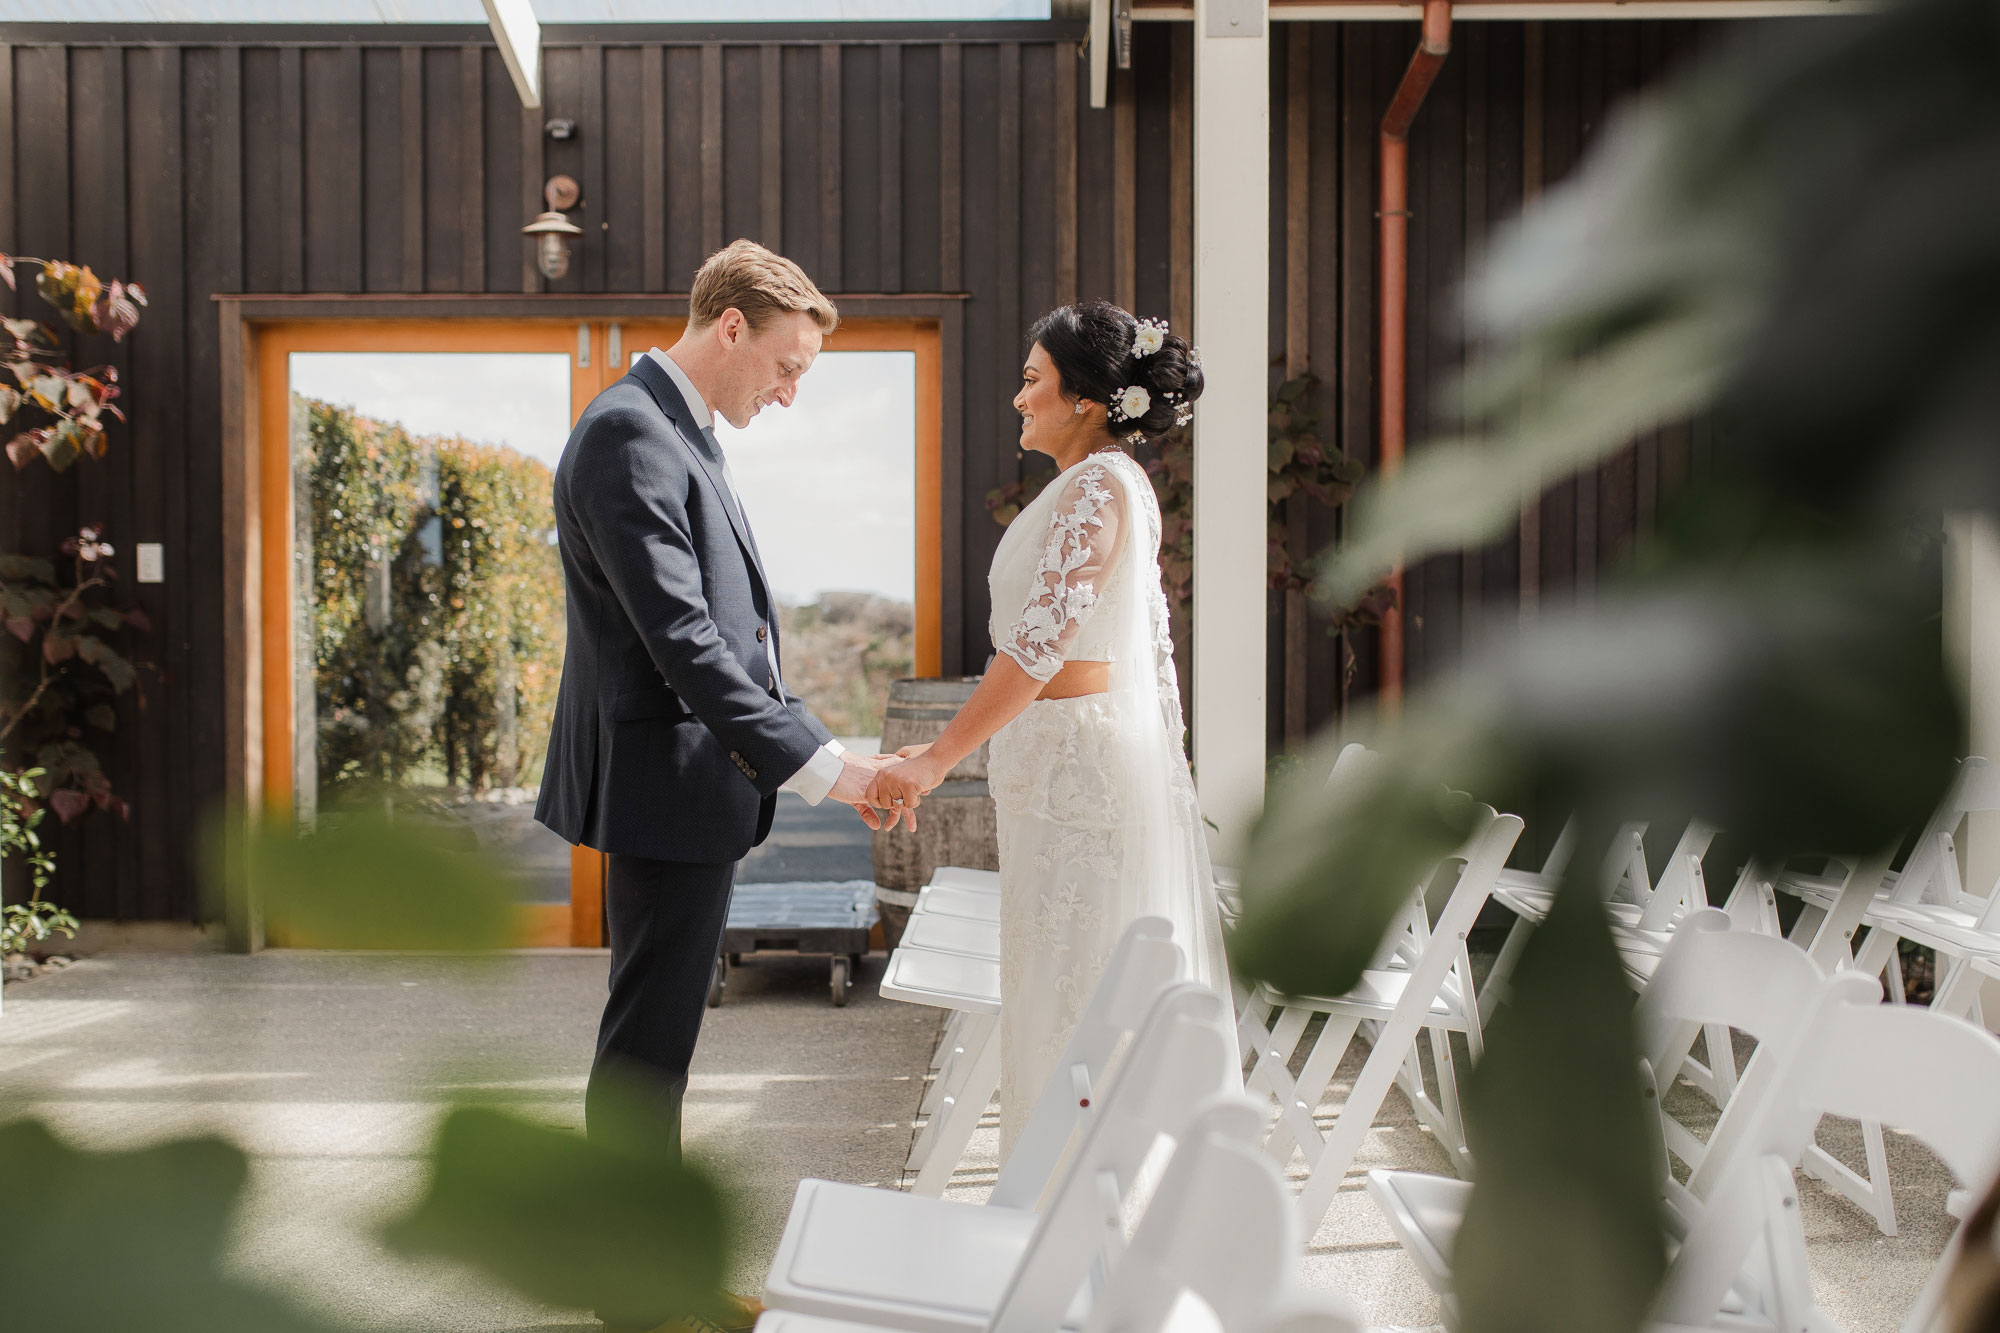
830, 483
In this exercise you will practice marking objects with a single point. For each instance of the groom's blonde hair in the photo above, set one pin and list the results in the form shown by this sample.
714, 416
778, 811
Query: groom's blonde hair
758, 282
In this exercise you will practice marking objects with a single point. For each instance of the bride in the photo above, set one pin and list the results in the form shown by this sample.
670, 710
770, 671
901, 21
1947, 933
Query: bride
1097, 817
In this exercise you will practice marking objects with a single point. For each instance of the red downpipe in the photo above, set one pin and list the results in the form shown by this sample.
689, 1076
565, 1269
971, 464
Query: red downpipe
1394, 216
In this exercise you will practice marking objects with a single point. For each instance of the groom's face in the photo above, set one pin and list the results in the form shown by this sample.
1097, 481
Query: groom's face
762, 366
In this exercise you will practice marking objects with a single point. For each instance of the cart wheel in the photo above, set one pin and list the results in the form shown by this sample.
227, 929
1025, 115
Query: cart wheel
716, 981
843, 977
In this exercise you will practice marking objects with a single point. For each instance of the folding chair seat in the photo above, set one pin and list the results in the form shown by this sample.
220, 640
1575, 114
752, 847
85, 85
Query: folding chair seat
1934, 1076
903, 1261
957, 900
1220, 1227
964, 877
1429, 988
952, 934
1709, 976
1142, 964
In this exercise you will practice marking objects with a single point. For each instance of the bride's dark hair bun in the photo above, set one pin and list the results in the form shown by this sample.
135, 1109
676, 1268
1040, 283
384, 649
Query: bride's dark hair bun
1092, 345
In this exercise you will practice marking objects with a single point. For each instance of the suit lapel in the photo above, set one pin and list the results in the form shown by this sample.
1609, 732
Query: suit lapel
668, 395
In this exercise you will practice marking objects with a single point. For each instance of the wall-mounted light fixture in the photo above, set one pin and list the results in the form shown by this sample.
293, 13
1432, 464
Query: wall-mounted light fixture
551, 230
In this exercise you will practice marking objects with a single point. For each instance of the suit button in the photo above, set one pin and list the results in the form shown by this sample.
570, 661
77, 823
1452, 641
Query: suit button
762, 634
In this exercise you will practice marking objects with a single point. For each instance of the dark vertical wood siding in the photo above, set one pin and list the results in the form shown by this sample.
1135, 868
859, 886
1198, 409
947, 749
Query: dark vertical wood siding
912, 166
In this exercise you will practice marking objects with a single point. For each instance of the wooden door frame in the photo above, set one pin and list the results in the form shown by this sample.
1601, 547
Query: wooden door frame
253, 326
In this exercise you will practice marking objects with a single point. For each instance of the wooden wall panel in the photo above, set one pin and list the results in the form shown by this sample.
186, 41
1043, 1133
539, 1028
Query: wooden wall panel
920, 135
375, 167
743, 162
624, 215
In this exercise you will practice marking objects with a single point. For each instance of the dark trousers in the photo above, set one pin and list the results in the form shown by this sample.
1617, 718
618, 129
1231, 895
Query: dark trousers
665, 920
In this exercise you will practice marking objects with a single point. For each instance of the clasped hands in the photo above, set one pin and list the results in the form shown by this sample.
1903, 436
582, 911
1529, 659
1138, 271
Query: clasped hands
890, 787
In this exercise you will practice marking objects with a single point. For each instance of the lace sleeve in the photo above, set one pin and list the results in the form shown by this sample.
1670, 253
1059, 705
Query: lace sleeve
1077, 559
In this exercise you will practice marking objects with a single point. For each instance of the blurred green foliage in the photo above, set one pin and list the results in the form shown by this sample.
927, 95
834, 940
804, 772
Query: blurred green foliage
364, 880
437, 604
1799, 238
567, 1221
154, 1222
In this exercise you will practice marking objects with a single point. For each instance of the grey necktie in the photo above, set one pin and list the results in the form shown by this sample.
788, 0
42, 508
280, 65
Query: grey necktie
732, 498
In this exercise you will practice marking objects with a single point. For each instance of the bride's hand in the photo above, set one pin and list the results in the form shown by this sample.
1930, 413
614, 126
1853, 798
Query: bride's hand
902, 788
912, 751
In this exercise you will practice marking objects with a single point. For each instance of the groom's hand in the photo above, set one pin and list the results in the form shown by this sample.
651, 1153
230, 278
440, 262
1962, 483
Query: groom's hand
851, 788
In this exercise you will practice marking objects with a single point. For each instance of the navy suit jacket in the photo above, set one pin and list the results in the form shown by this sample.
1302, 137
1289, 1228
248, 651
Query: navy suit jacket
671, 734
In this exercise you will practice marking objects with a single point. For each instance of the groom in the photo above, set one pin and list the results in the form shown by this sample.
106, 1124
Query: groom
674, 731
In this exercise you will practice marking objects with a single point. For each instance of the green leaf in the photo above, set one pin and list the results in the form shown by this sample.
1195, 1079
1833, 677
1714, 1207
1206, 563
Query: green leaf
153, 1221
1329, 868
365, 882
102, 716
1562, 1232
568, 1221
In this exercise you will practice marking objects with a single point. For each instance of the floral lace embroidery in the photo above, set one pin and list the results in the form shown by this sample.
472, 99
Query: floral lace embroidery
1082, 536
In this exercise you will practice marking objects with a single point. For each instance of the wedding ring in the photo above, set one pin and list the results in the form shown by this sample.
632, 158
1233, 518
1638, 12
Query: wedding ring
895, 800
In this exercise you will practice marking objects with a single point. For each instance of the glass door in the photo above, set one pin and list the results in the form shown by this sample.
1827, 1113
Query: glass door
414, 601
412, 592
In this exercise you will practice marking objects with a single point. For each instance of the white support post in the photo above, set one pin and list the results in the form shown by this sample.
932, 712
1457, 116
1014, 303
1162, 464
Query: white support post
1232, 94
1972, 645
519, 36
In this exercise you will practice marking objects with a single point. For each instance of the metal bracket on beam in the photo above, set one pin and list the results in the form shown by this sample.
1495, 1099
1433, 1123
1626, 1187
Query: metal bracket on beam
1097, 46
1235, 18
1121, 23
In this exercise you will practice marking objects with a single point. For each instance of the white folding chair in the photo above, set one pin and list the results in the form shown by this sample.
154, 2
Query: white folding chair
1831, 946
1710, 976
1641, 911
1142, 964
1220, 1228
1971, 789
902, 1261
1429, 987
1934, 1076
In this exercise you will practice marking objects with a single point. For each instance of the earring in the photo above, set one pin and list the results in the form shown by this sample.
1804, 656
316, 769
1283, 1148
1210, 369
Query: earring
1079, 409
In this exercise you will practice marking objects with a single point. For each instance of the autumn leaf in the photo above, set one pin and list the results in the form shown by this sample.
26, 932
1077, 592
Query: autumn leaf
68, 804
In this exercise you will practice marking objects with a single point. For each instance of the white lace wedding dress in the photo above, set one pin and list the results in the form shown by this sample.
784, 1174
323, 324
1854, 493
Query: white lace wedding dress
1097, 816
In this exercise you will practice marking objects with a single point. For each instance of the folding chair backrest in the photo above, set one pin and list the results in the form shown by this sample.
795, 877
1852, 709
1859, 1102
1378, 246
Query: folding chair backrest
1974, 789
1355, 763
1711, 975
1679, 887
1143, 963
1934, 1076
1221, 1227
1931, 1075
1182, 1057
1457, 885
1482, 857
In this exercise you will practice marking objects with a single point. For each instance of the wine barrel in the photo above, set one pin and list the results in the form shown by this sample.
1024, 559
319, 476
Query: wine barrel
955, 826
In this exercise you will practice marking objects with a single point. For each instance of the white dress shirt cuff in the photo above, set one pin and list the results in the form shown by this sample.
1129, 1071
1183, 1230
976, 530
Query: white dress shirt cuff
816, 779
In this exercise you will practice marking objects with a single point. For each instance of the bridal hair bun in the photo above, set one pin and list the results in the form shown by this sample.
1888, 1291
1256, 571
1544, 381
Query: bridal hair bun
1146, 375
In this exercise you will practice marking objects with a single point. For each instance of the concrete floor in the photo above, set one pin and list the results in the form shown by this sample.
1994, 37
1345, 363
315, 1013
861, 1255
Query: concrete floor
331, 1070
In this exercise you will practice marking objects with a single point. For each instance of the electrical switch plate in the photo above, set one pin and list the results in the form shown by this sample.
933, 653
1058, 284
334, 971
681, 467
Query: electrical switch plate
152, 558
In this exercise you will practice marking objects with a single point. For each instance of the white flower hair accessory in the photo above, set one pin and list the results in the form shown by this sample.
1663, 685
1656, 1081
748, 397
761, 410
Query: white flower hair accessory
1149, 337
1183, 409
1131, 403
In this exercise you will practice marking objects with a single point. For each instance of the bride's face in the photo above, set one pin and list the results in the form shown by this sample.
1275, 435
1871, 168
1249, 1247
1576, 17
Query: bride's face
1049, 420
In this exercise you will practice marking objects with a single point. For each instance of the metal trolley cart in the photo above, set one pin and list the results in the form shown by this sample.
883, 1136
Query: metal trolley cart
832, 919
